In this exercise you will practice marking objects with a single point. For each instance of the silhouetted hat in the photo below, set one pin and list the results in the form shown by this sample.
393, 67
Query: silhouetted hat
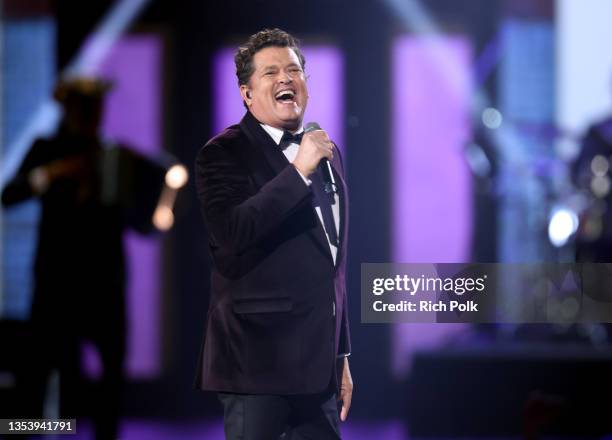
81, 86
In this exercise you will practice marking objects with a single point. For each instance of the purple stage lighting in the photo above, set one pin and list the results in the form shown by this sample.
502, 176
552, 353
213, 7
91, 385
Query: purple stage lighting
431, 184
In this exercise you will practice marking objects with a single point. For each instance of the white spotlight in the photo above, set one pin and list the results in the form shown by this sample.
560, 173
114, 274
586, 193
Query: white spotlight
176, 176
492, 118
563, 223
163, 218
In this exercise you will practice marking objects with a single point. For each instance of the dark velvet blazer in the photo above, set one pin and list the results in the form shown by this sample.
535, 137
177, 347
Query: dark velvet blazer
277, 317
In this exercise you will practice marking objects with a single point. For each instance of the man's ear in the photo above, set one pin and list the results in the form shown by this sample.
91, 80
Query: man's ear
245, 92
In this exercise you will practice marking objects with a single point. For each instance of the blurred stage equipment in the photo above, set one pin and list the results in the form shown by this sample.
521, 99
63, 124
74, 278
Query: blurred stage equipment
176, 177
591, 175
501, 390
145, 188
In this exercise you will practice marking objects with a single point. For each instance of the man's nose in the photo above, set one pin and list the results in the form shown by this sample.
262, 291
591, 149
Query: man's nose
285, 78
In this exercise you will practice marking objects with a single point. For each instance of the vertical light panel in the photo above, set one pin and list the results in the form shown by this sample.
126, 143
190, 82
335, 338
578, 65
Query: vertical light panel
584, 63
27, 77
432, 194
526, 84
325, 72
431, 184
133, 116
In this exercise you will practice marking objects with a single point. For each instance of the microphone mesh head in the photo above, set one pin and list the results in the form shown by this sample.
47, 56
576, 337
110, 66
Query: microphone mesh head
311, 126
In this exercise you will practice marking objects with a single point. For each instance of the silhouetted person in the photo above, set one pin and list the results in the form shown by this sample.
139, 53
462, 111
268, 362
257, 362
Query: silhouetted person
591, 172
79, 267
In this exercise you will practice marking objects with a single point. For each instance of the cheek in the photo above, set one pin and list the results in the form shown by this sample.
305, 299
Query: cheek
305, 97
304, 91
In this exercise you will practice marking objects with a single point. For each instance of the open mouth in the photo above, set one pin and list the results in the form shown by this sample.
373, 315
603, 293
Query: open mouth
285, 96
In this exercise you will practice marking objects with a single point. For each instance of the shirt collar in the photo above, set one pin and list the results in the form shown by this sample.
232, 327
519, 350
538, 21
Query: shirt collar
276, 133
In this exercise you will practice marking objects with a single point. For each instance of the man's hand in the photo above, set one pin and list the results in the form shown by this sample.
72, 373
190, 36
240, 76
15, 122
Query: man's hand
346, 390
42, 177
314, 147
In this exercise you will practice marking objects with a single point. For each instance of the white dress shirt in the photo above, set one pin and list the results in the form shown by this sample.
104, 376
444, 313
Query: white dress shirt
290, 152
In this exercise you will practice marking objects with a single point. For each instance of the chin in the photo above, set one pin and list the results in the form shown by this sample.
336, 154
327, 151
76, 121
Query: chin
292, 123
292, 119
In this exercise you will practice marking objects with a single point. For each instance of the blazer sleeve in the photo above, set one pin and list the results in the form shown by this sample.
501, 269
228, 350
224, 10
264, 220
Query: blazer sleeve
19, 188
344, 347
236, 218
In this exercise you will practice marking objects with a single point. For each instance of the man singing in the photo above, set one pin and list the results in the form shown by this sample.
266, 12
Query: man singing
277, 335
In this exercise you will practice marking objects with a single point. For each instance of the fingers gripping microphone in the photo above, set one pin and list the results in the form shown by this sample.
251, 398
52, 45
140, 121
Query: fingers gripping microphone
325, 167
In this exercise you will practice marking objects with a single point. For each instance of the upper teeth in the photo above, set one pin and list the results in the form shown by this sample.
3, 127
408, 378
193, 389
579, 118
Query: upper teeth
285, 92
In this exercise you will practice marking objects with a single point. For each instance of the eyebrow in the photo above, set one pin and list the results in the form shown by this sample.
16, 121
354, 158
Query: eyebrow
275, 66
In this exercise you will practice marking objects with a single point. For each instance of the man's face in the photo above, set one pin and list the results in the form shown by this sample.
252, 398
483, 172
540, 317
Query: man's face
276, 93
83, 114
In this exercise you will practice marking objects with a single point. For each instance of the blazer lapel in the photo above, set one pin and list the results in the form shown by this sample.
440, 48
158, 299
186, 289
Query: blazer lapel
268, 160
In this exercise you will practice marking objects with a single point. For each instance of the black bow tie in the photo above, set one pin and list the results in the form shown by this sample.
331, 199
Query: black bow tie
289, 138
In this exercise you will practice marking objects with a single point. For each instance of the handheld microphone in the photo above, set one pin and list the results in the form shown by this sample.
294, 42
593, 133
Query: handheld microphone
324, 166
